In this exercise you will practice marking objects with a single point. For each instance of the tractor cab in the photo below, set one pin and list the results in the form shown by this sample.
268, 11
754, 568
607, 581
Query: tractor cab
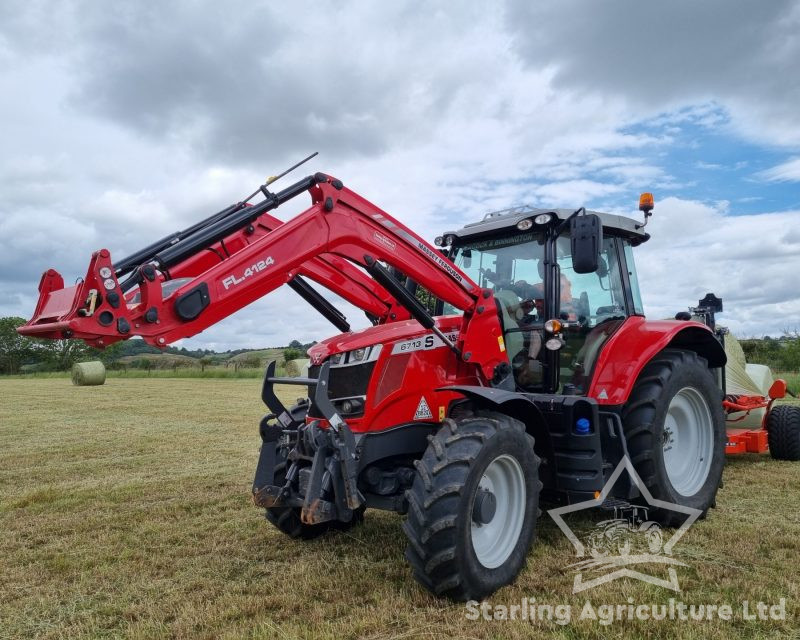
563, 282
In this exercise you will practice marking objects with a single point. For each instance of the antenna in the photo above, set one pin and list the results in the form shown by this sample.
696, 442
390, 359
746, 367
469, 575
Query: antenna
271, 179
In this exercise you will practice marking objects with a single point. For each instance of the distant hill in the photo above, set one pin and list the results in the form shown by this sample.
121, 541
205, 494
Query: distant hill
161, 360
263, 356
136, 350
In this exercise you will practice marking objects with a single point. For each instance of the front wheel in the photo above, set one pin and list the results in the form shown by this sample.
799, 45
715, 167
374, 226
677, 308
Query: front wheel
675, 428
473, 507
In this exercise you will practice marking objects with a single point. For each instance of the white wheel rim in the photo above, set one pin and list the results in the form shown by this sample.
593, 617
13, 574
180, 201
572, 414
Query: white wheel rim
495, 540
688, 441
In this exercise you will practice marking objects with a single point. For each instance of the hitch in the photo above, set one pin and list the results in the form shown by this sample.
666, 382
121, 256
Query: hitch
326, 489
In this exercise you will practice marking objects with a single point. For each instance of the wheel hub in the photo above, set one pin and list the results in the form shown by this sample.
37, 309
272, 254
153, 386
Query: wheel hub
498, 511
667, 438
485, 507
688, 441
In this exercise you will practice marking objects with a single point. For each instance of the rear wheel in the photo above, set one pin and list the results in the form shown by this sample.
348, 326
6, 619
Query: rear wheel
675, 430
473, 506
783, 427
287, 519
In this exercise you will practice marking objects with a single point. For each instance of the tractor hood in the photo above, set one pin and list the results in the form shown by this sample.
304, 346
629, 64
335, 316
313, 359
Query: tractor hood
381, 334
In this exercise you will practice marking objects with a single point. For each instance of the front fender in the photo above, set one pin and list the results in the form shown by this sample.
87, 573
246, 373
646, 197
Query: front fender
635, 343
511, 403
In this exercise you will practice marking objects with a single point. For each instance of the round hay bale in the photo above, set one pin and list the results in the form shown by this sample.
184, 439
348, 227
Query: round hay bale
737, 377
761, 375
86, 374
297, 368
742, 378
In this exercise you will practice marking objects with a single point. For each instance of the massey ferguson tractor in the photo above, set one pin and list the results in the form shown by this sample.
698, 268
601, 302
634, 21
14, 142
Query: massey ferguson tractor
531, 374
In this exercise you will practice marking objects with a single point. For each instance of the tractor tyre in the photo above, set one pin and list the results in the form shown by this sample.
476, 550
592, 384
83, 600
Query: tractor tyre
675, 431
783, 428
472, 506
287, 519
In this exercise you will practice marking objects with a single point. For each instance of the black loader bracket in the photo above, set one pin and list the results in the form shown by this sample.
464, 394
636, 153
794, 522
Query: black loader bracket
322, 473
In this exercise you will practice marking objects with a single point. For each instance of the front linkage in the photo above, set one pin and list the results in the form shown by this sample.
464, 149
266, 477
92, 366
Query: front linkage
320, 464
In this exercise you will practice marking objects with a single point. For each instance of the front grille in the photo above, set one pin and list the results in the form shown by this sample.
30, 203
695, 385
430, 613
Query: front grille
343, 382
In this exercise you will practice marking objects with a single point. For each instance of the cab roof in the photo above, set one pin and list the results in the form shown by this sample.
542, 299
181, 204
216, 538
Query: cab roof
508, 218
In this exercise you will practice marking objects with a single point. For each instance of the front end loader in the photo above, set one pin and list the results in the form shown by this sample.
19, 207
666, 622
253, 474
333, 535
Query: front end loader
529, 376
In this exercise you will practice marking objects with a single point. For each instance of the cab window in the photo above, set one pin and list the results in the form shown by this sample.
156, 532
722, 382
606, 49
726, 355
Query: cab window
638, 308
511, 266
592, 307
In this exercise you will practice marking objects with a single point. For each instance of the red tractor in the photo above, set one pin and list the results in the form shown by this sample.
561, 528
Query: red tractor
530, 375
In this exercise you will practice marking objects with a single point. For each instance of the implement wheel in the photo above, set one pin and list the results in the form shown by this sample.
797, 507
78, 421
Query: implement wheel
783, 427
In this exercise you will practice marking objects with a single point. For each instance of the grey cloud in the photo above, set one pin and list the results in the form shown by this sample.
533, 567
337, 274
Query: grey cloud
239, 81
666, 54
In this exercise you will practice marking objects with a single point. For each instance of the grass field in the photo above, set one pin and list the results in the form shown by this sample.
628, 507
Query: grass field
125, 512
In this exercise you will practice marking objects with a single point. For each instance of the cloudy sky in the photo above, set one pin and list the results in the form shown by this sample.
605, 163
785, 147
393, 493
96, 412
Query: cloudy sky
121, 122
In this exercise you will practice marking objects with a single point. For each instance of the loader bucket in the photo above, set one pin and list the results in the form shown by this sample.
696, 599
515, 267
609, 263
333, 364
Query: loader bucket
69, 312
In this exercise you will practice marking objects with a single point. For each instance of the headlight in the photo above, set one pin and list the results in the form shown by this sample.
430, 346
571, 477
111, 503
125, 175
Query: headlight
524, 225
358, 355
543, 218
351, 405
336, 358
554, 344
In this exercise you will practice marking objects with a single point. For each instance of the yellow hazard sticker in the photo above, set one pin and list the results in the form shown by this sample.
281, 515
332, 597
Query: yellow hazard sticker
501, 343
441, 413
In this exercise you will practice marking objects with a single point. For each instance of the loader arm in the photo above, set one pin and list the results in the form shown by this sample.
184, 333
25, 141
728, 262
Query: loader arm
330, 271
228, 272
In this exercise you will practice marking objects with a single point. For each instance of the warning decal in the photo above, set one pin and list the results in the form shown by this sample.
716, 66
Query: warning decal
423, 411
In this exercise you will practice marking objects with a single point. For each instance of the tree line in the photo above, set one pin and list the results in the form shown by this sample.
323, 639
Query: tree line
779, 354
18, 353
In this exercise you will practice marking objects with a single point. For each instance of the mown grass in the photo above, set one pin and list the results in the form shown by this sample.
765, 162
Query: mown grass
125, 512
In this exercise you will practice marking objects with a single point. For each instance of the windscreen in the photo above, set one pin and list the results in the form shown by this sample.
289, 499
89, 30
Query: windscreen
512, 266
508, 262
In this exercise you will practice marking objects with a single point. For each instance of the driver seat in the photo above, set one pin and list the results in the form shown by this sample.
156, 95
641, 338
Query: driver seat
508, 306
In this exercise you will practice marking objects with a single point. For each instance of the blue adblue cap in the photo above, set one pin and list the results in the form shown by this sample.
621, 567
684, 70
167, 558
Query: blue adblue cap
583, 426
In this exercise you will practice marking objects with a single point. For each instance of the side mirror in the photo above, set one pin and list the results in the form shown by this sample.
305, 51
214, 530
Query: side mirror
467, 258
586, 233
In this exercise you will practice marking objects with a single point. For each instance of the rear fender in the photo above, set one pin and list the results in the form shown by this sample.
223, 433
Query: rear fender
636, 342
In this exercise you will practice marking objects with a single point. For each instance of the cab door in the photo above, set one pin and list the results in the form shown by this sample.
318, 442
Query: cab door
592, 306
